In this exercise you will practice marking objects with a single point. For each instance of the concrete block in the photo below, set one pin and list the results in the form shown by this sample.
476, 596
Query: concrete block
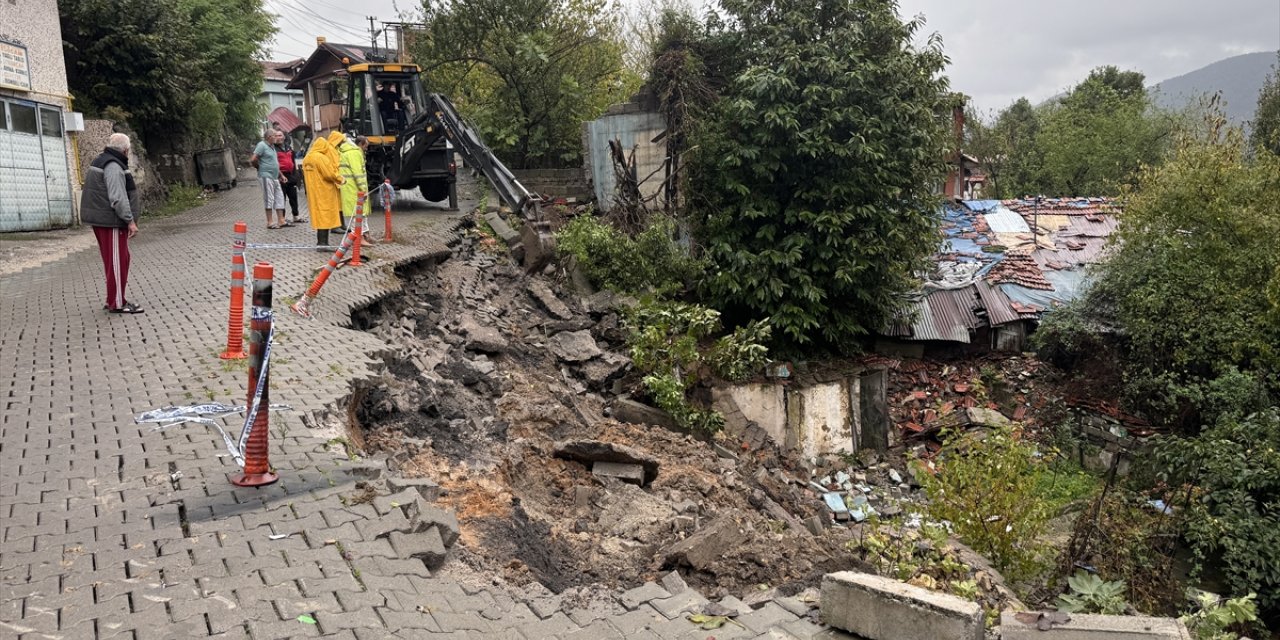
673, 583
398, 500
1093, 627
424, 515
879, 608
426, 546
632, 473
426, 487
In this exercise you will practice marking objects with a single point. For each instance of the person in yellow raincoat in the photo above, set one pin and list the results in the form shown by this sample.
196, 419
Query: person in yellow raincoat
352, 169
324, 196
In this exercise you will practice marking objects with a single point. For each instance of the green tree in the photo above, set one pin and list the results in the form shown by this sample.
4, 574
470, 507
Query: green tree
160, 61
1008, 150
1185, 294
1099, 135
1266, 119
527, 72
813, 181
1125, 84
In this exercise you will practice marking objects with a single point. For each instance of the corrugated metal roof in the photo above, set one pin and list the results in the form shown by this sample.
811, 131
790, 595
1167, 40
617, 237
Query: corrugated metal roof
1003, 220
286, 118
970, 288
999, 307
929, 325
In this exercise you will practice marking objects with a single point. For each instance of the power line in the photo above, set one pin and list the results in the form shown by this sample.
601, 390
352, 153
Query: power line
319, 20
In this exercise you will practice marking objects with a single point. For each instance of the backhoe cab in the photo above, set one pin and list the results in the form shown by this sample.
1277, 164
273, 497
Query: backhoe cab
387, 104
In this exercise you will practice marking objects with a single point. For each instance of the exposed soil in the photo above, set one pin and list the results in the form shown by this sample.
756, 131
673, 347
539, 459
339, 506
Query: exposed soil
481, 387
483, 419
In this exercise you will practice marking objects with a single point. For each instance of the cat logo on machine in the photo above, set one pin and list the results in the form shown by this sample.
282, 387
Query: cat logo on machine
408, 145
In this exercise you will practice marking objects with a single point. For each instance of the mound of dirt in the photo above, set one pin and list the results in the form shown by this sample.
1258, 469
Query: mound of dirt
483, 383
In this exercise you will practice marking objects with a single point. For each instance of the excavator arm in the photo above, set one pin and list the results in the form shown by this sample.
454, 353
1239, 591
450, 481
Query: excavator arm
440, 117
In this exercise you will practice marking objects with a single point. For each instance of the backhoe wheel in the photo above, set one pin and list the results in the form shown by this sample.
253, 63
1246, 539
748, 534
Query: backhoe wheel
435, 191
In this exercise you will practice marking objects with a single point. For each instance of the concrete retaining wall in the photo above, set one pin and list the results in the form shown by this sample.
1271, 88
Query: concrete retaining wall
880, 608
813, 417
1094, 627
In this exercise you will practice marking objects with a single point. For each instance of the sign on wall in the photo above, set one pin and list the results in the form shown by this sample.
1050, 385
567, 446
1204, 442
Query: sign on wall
15, 72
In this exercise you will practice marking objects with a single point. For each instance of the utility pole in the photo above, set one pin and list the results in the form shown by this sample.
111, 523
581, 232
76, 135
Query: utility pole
373, 35
1035, 222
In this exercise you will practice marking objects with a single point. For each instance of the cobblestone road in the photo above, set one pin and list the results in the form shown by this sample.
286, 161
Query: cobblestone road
108, 529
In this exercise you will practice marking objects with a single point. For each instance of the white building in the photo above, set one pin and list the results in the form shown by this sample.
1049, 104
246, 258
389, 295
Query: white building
37, 154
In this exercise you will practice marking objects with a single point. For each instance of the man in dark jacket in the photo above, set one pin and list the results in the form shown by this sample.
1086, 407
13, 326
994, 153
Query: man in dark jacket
109, 204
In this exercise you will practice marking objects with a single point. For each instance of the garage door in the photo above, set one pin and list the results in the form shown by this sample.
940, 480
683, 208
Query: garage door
35, 186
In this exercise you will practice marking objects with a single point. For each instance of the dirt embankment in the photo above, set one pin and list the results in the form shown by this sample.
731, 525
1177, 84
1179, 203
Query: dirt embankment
494, 368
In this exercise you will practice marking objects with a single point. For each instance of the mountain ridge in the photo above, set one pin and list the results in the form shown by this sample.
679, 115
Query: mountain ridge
1238, 78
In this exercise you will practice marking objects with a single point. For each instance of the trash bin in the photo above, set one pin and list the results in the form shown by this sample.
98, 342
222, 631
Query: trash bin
216, 168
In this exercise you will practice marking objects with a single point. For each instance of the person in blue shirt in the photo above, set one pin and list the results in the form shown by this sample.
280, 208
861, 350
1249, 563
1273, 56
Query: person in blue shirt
264, 158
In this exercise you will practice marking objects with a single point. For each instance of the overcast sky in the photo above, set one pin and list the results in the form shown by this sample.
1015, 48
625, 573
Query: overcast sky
999, 49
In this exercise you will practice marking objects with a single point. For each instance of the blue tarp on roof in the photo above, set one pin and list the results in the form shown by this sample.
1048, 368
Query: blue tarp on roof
981, 205
1068, 284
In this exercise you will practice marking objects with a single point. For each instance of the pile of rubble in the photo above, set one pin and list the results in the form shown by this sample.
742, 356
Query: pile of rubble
506, 397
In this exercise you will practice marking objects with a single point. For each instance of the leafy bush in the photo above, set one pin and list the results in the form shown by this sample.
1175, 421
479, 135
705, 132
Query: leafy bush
652, 261
1215, 616
987, 487
667, 341
1232, 473
1091, 594
812, 180
1124, 539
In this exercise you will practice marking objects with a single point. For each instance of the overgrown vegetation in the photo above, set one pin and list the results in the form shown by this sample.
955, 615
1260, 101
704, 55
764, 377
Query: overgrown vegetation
1221, 619
1091, 594
812, 184
986, 486
1123, 539
669, 341
1186, 310
1090, 142
181, 198
170, 67
650, 262
1231, 475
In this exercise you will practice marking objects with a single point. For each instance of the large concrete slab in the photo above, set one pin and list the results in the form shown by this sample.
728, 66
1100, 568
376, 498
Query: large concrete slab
879, 608
1094, 627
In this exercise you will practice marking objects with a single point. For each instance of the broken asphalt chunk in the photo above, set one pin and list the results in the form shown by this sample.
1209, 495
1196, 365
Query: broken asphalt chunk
706, 547
574, 346
548, 300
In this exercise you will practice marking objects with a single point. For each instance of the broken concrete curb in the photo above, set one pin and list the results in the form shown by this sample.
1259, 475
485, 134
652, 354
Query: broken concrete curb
879, 608
593, 451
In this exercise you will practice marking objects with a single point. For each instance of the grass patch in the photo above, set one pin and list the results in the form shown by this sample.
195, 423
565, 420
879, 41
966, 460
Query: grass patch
1064, 484
181, 198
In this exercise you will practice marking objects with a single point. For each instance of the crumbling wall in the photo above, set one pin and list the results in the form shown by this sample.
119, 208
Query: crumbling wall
635, 125
811, 417
572, 184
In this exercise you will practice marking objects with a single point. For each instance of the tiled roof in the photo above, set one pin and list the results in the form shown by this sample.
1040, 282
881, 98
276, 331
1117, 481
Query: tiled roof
1021, 269
272, 70
1005, 261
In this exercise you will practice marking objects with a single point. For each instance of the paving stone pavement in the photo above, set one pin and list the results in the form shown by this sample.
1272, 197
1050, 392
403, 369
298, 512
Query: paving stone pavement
109, 529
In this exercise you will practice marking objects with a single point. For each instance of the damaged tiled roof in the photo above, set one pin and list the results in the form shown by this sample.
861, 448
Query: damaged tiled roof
1002, 261
1020, 269
1063, 206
